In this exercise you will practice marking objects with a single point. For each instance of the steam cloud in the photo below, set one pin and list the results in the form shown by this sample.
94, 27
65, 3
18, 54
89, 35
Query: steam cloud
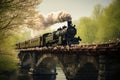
41, 21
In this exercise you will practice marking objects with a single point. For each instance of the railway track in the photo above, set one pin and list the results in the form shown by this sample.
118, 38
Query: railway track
78, 48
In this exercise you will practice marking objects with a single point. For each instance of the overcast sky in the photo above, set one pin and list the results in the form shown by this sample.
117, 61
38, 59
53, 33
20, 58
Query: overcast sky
77, 8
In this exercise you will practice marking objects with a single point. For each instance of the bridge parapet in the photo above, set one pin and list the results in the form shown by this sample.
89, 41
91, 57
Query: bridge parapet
109, 47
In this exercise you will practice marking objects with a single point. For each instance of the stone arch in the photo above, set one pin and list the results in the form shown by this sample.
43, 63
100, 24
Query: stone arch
42, 58
26, 60
51, 62
87, 72
88, 68
88, 59
47, 61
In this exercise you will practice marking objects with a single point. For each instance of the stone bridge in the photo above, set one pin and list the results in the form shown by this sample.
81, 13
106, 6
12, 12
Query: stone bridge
78, 62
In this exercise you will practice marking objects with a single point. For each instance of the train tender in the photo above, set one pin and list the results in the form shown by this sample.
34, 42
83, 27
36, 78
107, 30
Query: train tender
63, 36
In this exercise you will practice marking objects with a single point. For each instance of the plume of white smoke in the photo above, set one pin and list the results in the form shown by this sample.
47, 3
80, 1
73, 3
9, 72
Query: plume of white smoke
53, 18
40, 21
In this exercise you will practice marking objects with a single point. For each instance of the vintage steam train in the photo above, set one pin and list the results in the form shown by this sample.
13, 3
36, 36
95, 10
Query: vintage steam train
63, 36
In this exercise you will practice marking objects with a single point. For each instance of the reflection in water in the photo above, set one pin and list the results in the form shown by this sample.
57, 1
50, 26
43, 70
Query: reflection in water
23, 75
61, 75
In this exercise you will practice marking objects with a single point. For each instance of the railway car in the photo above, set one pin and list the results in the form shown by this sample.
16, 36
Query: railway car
35, 42
22, 45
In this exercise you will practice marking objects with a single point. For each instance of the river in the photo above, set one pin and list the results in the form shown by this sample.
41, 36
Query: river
23, 75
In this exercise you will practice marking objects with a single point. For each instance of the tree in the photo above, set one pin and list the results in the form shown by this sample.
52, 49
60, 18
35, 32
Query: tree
87, 29
97, 11
14, 12
12, 20
109, 23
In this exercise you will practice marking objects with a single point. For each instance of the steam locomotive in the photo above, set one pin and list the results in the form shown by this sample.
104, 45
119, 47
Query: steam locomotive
63, 36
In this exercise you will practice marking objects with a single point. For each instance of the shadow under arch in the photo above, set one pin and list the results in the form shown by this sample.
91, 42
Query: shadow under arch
25, 60
87, 72
47, 66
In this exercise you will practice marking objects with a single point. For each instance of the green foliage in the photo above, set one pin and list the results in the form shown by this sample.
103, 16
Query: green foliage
7, 53
109, 23
103, 26
12, 18
86, 30
7, 63
98, 11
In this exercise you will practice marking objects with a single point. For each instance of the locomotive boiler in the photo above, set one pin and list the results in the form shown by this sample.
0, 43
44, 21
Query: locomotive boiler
62, 36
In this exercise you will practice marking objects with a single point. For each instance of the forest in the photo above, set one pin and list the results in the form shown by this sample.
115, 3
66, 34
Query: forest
101, 27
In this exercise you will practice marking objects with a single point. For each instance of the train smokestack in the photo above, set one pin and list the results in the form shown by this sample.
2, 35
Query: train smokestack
69, 23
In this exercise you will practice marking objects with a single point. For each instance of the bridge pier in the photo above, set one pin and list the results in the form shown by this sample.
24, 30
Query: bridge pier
33, 58
102, 67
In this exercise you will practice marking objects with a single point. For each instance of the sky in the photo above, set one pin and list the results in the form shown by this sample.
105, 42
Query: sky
77, 8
